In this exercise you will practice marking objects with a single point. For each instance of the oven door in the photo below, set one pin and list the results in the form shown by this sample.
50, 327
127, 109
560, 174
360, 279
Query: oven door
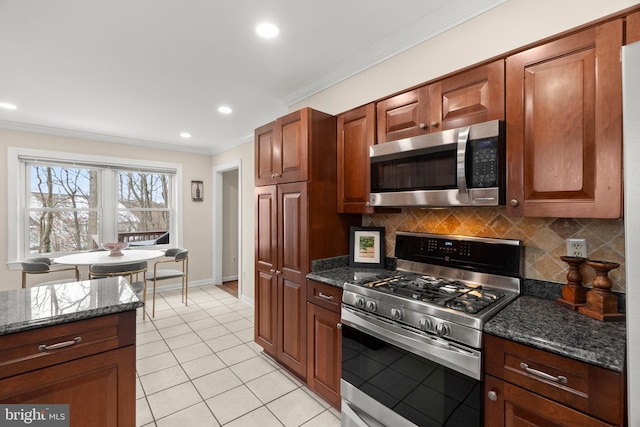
395, 376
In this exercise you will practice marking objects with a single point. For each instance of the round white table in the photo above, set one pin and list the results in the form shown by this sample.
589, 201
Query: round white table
102, 257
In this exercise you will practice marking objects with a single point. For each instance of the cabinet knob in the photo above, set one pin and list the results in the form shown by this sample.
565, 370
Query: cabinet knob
435, 124
272, 271
513, 203
422, 126
492, 395
339, 326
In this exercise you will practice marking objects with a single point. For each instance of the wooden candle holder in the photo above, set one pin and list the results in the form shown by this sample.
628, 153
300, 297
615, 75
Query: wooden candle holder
601, 303
574, 295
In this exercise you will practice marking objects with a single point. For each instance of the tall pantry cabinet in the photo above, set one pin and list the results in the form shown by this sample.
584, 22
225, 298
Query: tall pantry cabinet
296, 222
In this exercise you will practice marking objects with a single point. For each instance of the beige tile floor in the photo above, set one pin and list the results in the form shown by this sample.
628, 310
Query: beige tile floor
197, 365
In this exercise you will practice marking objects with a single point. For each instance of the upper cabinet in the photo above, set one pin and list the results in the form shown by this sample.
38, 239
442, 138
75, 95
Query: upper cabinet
564, 126
633, 28
356, 133
282, 149
472, 96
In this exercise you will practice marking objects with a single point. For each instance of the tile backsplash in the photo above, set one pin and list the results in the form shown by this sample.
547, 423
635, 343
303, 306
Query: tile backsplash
544, 238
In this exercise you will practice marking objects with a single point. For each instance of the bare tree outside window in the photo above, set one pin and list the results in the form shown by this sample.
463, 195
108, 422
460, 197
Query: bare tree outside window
143, 213
62, 209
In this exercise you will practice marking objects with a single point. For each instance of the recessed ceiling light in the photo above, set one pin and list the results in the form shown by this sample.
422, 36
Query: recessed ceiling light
225, 110
8, 106
185, 134
267, 30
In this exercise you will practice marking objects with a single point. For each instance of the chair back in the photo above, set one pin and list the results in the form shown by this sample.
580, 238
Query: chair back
41, 265
176, 253
117, 269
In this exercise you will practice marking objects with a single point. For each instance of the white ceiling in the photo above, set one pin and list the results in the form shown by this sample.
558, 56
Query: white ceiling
143, 71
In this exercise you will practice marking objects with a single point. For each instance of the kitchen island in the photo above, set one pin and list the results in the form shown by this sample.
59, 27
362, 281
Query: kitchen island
71, 343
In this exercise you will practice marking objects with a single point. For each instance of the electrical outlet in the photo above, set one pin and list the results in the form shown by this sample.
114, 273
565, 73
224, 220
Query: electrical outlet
233, 259
577, 247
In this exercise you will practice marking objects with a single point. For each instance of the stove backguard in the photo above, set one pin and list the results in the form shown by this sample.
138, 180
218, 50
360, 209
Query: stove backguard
478, 254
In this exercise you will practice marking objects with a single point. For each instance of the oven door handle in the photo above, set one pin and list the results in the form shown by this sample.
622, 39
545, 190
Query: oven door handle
351, 418
455, 356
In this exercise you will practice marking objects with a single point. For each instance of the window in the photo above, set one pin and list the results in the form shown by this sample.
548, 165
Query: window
62, 208
68, 202
144, 215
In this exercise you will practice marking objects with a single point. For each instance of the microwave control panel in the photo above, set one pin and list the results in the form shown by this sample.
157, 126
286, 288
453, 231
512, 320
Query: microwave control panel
485, 163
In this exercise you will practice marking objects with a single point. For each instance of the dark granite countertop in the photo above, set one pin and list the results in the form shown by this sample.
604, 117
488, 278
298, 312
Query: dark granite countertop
543, 324
336, 271
48, 305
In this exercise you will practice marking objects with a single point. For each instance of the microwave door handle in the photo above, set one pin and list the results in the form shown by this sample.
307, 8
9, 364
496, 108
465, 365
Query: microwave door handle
463, 192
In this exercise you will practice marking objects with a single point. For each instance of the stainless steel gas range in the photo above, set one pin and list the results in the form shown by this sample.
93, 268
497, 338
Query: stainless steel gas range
412, 339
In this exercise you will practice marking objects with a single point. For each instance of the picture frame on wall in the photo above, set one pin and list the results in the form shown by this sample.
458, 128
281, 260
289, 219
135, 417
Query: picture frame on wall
197, 191
367, 247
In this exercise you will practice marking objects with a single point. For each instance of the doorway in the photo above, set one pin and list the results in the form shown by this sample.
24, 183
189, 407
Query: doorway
227, 262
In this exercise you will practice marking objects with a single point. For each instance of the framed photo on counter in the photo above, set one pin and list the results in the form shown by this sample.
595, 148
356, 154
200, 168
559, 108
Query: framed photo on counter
366, 247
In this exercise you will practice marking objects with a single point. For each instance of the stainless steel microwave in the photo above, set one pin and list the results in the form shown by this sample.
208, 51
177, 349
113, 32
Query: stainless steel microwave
456, 167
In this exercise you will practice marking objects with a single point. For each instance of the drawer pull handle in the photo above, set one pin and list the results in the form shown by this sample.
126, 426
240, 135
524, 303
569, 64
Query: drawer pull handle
559, 379
325, 296
43, 347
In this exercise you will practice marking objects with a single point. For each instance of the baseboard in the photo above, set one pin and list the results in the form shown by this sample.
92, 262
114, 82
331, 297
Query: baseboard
229, 278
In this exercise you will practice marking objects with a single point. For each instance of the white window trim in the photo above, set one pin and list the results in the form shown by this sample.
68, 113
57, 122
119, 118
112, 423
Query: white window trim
16, 193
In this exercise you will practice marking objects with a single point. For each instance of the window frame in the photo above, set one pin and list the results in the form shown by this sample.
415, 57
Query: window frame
16, 194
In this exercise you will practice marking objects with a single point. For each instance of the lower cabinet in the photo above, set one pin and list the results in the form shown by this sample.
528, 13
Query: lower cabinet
324, 341
532, 387
88, 364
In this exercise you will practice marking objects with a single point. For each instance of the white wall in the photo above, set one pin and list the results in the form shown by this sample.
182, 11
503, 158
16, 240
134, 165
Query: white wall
243, 154
507, 27
631, 108
196, 215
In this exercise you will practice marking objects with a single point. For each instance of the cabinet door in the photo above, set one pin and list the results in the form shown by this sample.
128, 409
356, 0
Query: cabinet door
267, 154
510, 405
404, 115
633, 28
266, 247
325, 353
100, 389
356, 133
564, 126
294, 146
473, 96
292, 270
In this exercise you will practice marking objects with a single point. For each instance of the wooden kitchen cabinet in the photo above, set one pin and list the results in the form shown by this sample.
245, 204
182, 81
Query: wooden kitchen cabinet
281, 148
296, 222
95, 376
632, 28
564, 126
528, 386
281, 257
472, 96
356, 133
324, 341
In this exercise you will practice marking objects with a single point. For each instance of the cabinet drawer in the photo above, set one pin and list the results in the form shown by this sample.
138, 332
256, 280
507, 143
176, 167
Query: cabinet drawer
587, 388
324, 295
38, 348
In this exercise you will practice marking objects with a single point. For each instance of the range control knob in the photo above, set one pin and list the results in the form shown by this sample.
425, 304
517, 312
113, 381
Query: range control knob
372, 306
442, 330
396, 313
360, 302
426, 324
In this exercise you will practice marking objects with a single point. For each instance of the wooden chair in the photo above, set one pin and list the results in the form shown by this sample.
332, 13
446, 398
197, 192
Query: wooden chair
177, 255
131, 269
42, 265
